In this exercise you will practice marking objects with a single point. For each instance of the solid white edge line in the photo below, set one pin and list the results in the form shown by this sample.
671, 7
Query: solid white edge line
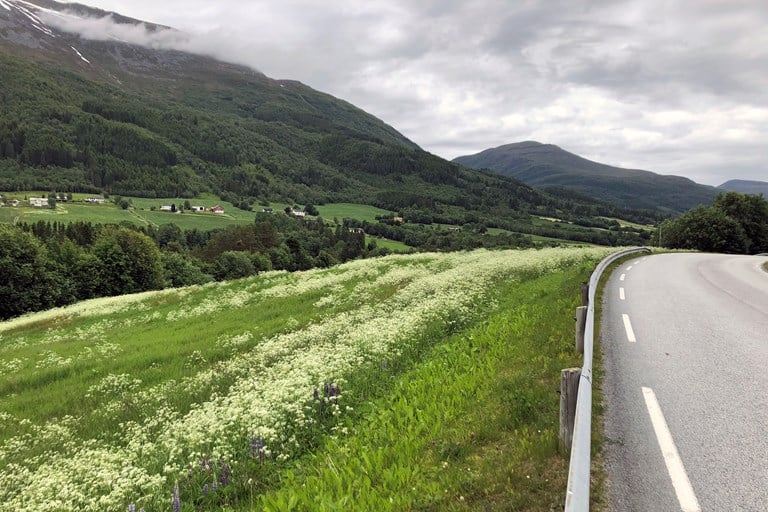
622, 277
628, 328
621, 293
680, 481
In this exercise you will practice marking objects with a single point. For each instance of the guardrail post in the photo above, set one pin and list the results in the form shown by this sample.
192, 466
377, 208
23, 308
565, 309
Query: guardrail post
585, 294
581, 323
569, 391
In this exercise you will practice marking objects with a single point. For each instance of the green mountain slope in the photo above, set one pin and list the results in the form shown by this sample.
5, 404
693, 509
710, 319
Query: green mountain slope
546, 165
746, 187
83, 115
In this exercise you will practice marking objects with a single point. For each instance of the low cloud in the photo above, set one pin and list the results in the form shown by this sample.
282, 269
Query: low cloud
650, 84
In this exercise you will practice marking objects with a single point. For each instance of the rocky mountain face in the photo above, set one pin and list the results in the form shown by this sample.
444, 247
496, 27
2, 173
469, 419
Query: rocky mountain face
546, 165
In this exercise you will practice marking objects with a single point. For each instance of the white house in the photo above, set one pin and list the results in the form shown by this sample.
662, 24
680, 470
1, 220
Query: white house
198, 208
38, 202
298, 213
166, 208
99, 200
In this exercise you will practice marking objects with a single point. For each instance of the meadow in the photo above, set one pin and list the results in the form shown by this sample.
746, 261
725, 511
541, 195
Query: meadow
409, 382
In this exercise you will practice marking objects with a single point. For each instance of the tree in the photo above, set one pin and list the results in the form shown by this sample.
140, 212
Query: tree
181, 270
233, 265
751, 212
705, 229
129, 261
26, 283
168, 234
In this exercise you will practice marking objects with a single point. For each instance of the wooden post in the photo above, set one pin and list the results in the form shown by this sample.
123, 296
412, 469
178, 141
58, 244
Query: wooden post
584, 294
581, 323
569, 391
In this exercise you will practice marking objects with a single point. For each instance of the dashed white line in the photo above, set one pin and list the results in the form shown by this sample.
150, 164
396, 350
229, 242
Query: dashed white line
622, 277
621, 293
680, 481
629, 268
628, 328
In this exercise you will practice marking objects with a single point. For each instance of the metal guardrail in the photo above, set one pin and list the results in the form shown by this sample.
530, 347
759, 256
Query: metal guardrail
577, 493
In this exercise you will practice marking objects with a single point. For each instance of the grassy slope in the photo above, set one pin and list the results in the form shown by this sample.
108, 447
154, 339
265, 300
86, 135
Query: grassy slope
473, 427
172, 350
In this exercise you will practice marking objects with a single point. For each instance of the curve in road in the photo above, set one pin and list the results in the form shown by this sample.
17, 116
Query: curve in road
685, 344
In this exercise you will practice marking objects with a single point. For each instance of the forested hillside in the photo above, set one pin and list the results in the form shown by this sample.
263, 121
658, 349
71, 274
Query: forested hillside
546, 165
86, 115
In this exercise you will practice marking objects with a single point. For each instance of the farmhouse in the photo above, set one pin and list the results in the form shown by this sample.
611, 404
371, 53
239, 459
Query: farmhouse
266, 210
298, 213
99, 200
166, 208
38, 202
217, 209
198, 209
358, 231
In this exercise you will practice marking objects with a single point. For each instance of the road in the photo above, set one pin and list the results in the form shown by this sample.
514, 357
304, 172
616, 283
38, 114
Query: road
685, 351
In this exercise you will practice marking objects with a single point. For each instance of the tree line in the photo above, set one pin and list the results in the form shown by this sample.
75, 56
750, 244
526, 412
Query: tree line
48, 264
735, 223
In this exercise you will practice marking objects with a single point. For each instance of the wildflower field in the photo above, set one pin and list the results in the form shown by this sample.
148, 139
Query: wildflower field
410, 382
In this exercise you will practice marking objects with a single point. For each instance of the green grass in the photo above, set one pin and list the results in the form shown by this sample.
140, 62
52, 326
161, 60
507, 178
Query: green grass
627, 224
142, 213
392, 245
473, 427
448, 365
359, 212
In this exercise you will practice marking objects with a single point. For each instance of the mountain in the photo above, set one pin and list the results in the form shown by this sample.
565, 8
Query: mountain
746, 187
103, 114
546, 165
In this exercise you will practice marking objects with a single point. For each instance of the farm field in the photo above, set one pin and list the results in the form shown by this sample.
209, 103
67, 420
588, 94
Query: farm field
360, 212
418, 377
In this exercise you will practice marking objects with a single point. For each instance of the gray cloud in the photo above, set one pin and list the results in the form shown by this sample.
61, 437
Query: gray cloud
651, 84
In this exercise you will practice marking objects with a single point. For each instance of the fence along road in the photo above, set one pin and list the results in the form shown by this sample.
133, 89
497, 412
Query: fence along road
685, 338
577, 493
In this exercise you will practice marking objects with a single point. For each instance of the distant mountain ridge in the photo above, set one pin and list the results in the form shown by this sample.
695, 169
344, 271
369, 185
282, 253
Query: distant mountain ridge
546, 165
746, 187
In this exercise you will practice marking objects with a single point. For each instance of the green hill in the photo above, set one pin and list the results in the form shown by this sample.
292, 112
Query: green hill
746, 187
127, 120
546, 165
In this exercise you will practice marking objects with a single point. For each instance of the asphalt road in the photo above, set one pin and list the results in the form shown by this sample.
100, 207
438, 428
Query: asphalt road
686, 402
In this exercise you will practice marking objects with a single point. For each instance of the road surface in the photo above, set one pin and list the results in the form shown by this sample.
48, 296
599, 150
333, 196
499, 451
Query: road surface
685, 345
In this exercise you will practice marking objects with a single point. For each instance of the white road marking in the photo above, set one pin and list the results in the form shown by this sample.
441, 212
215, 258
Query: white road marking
680, 481
628, 328
629, 268
621, 293
622, 277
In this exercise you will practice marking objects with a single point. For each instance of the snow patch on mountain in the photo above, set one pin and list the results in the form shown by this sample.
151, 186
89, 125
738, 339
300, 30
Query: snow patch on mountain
80, 55
3, 4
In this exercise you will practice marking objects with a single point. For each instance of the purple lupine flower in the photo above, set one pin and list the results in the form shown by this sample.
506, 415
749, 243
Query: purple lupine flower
215, 485
205, 489
316, 394
325, 389
176, 498
131, 507
225, 472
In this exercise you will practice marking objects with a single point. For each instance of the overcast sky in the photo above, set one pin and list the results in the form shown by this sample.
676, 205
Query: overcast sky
671, 86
